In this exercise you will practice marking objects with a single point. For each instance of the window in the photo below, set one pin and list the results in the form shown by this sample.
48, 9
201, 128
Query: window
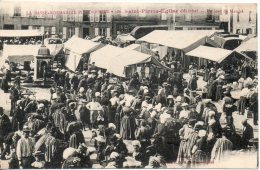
102, 17
250, 19
86, 16
71, 31
209, 15
102, 31
17, 11
238, 17
178, 28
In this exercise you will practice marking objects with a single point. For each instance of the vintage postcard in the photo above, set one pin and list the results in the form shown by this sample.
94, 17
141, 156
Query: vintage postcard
128, 85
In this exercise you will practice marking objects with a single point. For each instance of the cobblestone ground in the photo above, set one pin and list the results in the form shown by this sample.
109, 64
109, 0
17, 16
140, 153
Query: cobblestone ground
250, 161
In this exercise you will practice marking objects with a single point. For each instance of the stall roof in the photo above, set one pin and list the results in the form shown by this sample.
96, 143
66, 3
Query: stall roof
80, 46
133, 47
123, 38
115, 59
210, 53
185, 40
97, 38
19, 53
20, 33
249, 45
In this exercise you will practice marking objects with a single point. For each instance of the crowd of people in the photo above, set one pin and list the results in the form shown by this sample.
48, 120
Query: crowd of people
165, 118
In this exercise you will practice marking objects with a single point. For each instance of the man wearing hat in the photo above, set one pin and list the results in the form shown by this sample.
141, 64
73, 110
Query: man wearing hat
24, 149
83, 82
18, 117
215, 89
5, 127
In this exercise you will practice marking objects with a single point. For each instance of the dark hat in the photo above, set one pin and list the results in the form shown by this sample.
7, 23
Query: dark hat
192, 121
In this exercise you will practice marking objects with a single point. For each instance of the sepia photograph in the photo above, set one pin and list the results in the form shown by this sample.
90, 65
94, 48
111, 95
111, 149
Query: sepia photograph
128, 85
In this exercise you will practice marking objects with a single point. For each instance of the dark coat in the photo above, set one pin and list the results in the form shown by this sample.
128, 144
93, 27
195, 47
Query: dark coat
5, 126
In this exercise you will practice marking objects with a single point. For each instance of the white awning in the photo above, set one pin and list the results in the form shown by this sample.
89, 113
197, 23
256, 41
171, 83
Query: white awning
136, 47
79, 45
185, 40
123, 38
97, 38
210, 53
249, 45
115, 59
19, 53
20, 33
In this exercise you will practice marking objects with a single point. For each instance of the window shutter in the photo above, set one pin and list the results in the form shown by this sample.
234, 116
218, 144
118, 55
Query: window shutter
188, 17
80, 13
30, 27
64, 32
97, 17
77, 31
91, 16
76, 17
53, 30
64, 17
164, 16
96, 32
108, 32
108, 17
42, 29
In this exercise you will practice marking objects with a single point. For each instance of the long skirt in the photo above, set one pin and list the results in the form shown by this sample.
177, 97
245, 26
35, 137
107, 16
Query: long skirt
182, 157
242, 105
199, 159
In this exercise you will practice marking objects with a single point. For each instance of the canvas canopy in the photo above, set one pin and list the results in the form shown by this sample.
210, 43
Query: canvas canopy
20, 33
97, 38
249, 45
19, 53
115, 59
210, 53
214, 54
136, 47
78, 47
179, 39
123, 38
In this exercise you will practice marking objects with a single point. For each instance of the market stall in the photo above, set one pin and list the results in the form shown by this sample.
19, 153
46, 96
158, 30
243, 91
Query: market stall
77, 49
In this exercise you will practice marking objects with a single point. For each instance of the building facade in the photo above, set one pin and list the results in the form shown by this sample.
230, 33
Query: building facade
92, 20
